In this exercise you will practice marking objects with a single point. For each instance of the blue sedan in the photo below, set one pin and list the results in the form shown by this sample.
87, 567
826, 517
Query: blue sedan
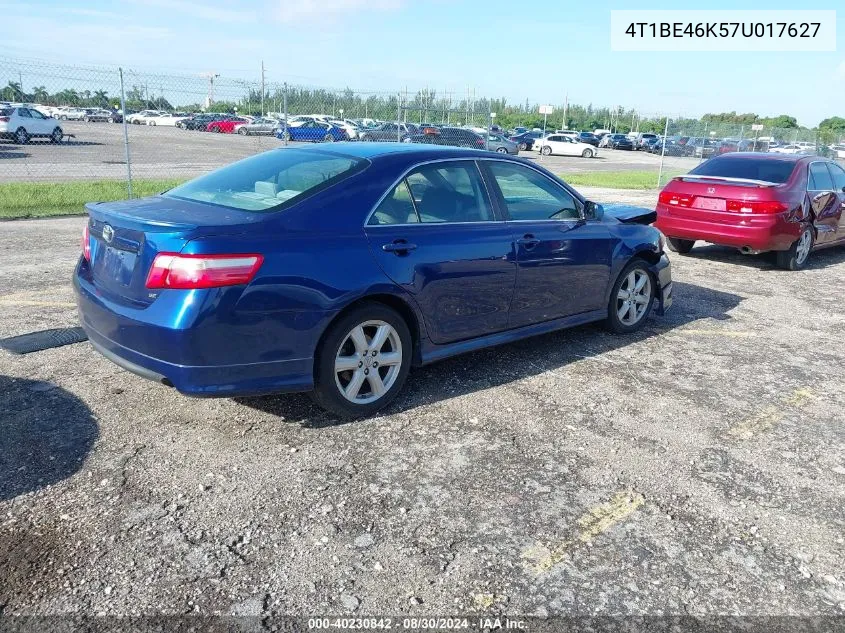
335, 270
313, 131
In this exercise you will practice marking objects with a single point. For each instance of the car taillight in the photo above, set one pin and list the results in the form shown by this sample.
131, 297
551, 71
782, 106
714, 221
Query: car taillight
674, 199
172, 270
480, 142
756, 206
86, 243
4, 119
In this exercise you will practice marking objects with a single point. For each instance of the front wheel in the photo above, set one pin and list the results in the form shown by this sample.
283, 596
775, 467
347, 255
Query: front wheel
328, 138
546, 150
796, 257
677, 245
362, 362
286, 136
152, 123
587, 153
502, 150
57, 135
631, 299
243, 131
523, 146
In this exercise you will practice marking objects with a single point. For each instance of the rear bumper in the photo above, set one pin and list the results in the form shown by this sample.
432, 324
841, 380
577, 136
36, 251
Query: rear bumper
174, 356
760, 232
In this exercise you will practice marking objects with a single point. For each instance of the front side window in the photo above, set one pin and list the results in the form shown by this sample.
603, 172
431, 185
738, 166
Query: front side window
529, 195
838, 177
269, 181
820, 179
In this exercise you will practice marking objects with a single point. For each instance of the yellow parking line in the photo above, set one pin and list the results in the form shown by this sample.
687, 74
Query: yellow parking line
541, 558
31, 302
770, 416
728, 333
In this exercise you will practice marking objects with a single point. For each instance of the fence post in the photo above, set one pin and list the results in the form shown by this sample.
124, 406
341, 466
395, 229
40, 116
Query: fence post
125, 136
285, 106
487, 136
399, 118
663, 152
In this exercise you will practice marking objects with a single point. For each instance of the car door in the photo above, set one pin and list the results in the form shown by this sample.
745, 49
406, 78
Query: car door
436, 235
838, 176
563, 262
824, 201
40, 123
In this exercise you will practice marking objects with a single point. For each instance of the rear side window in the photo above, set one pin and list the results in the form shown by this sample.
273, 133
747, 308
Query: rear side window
397, 208
769, 170
6, 111
820, 179
269, 181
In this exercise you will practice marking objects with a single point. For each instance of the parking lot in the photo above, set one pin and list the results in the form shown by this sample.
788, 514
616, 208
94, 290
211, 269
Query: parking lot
97, 152
694, 468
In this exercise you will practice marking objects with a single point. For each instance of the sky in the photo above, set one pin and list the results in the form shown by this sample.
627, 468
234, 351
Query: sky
543, 51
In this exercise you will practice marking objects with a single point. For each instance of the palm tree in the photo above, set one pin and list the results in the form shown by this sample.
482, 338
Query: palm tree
40, 94
13, 91
101, 98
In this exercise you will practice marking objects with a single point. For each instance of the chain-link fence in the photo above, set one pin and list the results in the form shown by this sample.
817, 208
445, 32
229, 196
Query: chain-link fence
136, 133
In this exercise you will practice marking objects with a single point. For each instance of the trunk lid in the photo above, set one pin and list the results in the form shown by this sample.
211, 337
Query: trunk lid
723, 199
126, 236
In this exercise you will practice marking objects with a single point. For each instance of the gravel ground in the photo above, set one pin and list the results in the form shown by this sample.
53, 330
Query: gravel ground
695, 468
98, 152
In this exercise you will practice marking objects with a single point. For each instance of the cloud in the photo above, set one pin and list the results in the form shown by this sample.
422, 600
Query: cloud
840, 71
198, 11
297, 10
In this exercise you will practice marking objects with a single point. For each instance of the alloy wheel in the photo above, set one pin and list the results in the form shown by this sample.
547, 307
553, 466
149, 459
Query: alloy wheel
634, 297
368, 362
802, 250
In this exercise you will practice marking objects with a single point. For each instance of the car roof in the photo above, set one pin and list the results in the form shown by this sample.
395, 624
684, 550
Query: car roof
784, 158
409, 150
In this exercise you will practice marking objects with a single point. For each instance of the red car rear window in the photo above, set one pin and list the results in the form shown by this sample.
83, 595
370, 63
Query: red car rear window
770, 170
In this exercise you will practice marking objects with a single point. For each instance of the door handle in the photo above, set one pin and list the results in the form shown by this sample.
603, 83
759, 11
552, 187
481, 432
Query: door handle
528, 241
399, 247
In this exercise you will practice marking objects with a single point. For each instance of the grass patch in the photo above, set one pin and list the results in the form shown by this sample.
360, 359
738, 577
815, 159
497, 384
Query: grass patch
44, 199
633, 179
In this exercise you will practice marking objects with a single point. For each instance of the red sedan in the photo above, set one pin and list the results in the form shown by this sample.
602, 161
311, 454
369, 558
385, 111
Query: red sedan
227, 125
757, 202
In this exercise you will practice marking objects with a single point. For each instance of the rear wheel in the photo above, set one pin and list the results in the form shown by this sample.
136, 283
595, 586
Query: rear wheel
243, 131
630, 299
286, 136
328, 138
587, 153
153, 123
679, 246
502, 150
546, 150
21, 136
362, 362
796, 257
57, 135
523, 146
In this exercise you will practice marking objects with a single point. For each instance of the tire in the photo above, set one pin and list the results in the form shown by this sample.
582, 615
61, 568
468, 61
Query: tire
523, 146
587, 153
328, 138
87, 119
151, 123
502, 150
677, 245
243, 131
338, 343
286, 136
57, 135
63, 117
546, 150
796, 257
640, 300
21, 136
215, 129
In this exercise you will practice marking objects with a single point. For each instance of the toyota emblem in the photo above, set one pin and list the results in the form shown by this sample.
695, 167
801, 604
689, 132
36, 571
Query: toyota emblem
108, 234
711, 189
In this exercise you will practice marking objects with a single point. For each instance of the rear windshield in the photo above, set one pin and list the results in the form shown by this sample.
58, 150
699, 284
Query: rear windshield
770, 170
6, 111
269, 181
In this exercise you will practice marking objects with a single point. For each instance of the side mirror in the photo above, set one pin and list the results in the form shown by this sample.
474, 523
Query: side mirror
593, 210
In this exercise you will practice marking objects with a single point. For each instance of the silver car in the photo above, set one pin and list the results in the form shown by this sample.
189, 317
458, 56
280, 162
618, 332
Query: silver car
498, 143
261, 125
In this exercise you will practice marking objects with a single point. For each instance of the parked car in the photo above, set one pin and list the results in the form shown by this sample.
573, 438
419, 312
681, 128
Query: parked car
792, 148
140, 118
648, 144
700, 147
22, 124
501, 144
97, 115
200, 121
617, 141
166, 119
313, 131
453, 136
526, 140
388, 132
259, 126
70, 114
789, 204
644, 139
565, 145
588, 137
675, 146
418, 262
226, 125
347, 126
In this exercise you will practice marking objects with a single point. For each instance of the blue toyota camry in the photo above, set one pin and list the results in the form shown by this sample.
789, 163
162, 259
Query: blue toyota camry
336, 269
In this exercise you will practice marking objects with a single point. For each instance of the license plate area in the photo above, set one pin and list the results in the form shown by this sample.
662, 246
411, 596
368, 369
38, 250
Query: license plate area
709, 204
115, 266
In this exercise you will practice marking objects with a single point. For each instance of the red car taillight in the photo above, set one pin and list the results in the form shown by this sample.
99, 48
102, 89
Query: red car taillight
86, 243
674, 199
4, 119
188, 272
756, 206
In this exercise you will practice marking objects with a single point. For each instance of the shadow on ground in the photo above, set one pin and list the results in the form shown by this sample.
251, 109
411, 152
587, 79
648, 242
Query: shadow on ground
765, 261
45, 435
508, 363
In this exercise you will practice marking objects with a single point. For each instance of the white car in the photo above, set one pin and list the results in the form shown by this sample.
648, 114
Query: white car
349, 127
141, 118
22, 124
794, 148
70, 114
564, 145
164, 118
